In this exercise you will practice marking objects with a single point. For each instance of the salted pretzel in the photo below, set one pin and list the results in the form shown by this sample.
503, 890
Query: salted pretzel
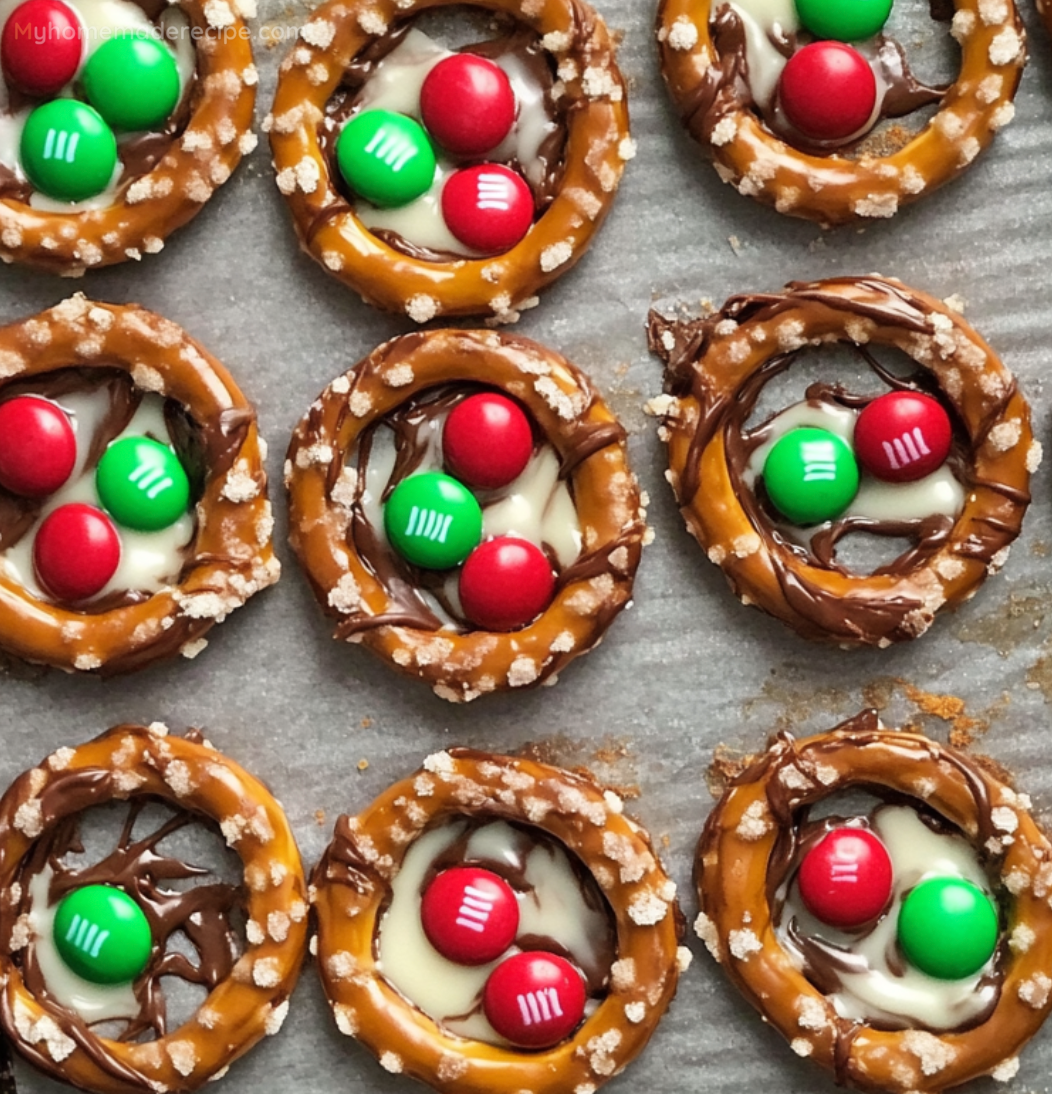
352, 887
592, 102
248, 993
751, 844
356, 582
710, 90
230, 556
200, 156
716, 370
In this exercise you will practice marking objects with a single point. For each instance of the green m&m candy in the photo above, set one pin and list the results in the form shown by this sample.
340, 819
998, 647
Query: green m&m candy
132, 81
948, 928
843, 20
67, 150
811, 475
142, 484
385, 157
433, 521
102, 934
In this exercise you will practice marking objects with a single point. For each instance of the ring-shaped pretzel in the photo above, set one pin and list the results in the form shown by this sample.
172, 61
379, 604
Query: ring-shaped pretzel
597, 146
714, 363
126, 763
200, 158
572, 418
835, 189
231, 557
352, 889
731, 872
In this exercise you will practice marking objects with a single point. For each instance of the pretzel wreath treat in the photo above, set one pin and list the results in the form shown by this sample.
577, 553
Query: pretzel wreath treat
497, 924
133, 508
940, 457
461, 503
118, 122
882, 901
797, 118
450, 183
91, 943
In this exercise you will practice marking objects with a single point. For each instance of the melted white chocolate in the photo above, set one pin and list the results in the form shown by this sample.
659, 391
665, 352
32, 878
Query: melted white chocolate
554, 907
93, 1002
537, 506
395, 85
101, 20
936, 494
149, 560
905, 995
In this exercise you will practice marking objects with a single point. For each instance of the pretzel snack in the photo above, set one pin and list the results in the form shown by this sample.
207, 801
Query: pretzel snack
716, 369
597, 146
737, 867
200, 157
352, 887
325, 492
132, 763
231, 555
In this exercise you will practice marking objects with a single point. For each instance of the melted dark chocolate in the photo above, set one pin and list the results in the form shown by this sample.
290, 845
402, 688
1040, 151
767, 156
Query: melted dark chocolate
202, 914
838, 616
346, 102
202, 452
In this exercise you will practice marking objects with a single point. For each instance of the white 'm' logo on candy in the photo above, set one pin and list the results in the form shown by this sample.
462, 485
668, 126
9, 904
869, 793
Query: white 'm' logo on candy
906, 449
819, 461
391, 148
428, 524
475, 908
493, 192
152, 480
86, 933
539, 1006
58, 148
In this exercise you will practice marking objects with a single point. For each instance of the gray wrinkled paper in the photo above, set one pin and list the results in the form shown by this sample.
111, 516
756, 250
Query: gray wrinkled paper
687, 667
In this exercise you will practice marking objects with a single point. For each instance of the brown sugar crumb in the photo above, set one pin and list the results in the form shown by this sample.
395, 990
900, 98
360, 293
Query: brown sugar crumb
363, 764
964, 728
319, 817
366, 722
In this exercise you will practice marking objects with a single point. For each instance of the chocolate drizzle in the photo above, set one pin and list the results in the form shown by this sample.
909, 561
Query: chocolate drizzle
725, 87
194, 446
416, 425
518, 41
595, 968
203, 914
724, 409
138, 153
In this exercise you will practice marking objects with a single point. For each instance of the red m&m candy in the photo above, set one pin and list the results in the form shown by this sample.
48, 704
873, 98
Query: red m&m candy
534, 999
505, 583
845, 879
828, 91
487, 440
470, 915
37, 446
903, 436
467, 104
41, 46
76, 551
488, 208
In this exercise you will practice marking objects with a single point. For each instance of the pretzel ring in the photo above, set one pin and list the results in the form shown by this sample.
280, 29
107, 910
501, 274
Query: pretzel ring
716, 370
132, 763
352, 886
231, 555
200, 157
743, 856
896, 168
325, 493
597, 146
